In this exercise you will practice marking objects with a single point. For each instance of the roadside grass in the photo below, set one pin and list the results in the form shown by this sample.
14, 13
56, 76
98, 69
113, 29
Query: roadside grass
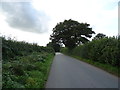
106, 67
27, 72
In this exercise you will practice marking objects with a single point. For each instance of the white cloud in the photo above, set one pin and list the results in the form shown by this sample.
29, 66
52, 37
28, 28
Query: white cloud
23, 16
102, 15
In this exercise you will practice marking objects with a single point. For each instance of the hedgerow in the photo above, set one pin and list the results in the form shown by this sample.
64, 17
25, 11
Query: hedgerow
25, 65
105, 50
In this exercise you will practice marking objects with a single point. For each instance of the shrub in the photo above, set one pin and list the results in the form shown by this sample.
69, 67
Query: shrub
104, 50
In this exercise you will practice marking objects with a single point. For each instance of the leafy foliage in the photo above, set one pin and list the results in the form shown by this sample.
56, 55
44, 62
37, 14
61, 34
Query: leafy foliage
55, 46
99, 36
104, 50
71, 33
12, 48
25, 65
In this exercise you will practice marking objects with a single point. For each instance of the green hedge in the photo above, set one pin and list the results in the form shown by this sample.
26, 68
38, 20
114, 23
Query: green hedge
25, 65
12, 48
104, 50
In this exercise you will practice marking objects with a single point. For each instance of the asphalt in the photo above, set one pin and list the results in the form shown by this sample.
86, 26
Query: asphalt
67, 72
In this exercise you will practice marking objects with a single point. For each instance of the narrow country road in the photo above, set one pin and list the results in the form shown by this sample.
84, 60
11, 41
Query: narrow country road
66, 72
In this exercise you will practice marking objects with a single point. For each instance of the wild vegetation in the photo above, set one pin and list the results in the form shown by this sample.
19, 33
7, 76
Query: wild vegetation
102, 52
25, 65
71, 33
55, 46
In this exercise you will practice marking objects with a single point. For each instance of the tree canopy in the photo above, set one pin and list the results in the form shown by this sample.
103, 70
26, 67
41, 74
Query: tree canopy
71, 33
55, 46
99, 36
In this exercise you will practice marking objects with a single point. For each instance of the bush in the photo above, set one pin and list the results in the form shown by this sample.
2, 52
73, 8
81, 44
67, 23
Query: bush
24, 65
12, 48
104, 50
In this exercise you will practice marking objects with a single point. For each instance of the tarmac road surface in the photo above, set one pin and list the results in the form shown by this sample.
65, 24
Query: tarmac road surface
66, 72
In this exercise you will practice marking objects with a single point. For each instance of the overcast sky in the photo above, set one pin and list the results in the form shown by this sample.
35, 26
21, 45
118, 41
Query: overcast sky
33, 20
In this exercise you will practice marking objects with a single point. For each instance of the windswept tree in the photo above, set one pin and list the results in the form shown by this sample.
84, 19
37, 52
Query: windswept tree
71, 33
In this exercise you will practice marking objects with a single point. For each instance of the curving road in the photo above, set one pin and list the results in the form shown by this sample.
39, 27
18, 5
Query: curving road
66, 72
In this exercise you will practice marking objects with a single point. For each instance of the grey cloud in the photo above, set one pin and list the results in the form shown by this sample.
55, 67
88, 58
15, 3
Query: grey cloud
23, 16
